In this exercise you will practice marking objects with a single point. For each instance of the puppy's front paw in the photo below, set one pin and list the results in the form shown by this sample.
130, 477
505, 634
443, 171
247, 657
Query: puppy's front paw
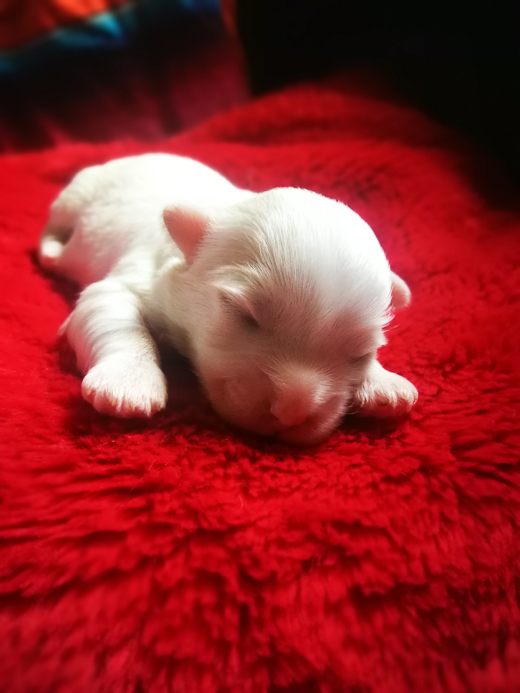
384, 394
125, 387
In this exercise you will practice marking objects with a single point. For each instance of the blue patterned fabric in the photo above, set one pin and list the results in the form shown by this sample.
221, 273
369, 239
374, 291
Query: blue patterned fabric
107, 31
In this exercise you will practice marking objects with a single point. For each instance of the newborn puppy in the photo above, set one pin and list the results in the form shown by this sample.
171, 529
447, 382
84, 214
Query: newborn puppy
280, 299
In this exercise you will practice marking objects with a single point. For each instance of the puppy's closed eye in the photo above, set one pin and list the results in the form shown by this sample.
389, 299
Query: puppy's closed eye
250, 322
363, 359
239, 307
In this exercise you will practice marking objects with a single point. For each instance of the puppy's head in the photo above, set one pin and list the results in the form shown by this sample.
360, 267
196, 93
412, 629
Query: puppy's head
287, 296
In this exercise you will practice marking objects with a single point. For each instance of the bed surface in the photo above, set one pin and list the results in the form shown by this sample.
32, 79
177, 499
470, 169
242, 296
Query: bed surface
182, 555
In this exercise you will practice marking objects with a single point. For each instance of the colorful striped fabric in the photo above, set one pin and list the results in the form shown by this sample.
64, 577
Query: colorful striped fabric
23, 21
33, 33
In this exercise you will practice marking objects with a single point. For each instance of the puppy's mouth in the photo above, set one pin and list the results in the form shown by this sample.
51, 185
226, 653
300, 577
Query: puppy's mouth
260, 421
306, 433
312, 431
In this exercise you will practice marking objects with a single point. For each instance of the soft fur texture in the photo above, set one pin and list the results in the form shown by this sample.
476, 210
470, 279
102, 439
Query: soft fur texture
179, 555
279, 299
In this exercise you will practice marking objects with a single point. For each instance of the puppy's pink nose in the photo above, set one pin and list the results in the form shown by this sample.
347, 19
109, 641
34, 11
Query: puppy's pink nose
290, 413
298, 394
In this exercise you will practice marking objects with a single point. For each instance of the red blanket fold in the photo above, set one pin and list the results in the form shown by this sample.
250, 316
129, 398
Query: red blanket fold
181, 555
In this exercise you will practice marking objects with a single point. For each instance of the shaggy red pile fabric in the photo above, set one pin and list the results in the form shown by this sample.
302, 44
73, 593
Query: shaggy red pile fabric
180, 555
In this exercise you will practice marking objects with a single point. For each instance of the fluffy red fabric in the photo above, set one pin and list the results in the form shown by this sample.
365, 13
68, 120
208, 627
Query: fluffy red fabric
180, 555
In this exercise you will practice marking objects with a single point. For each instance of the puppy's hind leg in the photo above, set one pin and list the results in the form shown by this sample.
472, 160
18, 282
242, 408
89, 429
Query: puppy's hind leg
52, 243
64, 214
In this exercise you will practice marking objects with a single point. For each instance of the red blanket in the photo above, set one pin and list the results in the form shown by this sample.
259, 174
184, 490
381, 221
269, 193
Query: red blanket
180, 555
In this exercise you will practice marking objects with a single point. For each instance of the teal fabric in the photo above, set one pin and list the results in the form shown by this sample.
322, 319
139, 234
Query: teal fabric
107, 31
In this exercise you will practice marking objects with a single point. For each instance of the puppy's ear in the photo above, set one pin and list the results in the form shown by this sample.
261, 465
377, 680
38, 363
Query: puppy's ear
401, 294
187, 227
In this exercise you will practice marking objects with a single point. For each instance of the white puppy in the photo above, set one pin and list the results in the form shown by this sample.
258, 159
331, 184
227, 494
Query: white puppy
279, 298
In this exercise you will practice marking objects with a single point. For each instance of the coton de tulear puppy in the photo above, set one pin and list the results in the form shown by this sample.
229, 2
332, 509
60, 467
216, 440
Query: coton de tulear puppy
280, 299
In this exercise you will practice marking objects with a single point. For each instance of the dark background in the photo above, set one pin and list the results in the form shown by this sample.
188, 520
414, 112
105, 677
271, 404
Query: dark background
458, 61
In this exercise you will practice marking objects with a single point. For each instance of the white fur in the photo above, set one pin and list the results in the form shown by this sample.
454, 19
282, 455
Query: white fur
279, 298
